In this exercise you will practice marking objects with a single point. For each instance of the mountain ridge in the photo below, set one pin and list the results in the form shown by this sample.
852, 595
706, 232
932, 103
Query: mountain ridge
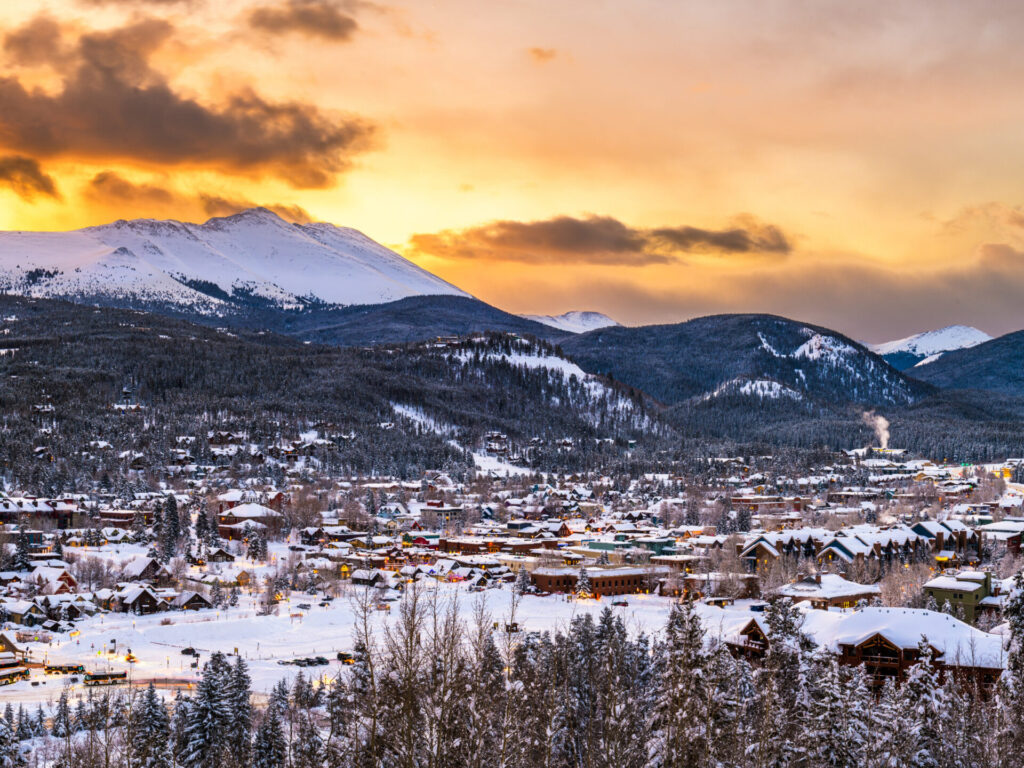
214, 267
928, 346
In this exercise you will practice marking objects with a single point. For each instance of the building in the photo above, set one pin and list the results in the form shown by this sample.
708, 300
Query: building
603, 582
965, 591
827, 590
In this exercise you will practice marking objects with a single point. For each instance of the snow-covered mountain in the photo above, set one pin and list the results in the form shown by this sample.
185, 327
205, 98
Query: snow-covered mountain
253, 256
924, 348
574, 322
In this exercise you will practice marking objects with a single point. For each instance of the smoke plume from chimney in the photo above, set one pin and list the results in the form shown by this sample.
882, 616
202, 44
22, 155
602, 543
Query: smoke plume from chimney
881, 426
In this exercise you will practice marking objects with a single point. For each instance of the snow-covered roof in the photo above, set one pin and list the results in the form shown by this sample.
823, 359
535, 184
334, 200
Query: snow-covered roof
958, 643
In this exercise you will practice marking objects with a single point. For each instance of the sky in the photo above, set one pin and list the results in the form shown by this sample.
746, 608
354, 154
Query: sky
856, 165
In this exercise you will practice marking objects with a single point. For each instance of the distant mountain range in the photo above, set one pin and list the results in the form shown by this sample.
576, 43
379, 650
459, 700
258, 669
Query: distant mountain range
748, 377
923, 348
574, 322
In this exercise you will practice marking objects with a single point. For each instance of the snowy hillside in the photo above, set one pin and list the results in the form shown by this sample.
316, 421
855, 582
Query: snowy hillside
923, 348
251, 256
574, 322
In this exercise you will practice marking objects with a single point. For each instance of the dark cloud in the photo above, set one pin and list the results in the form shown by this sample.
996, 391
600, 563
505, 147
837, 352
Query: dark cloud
215, 205
313, 18
109, 186
115, 105
542, 55
112, 189
752, 238
26, 178
37, 42
595, 240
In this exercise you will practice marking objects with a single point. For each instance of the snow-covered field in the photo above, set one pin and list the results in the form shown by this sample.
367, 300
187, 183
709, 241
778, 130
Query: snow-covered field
157, 640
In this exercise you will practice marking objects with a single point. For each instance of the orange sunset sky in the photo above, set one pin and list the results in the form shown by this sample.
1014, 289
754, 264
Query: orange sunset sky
855, 164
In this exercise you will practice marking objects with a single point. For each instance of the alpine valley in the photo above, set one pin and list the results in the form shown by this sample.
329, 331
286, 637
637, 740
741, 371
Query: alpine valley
420, 351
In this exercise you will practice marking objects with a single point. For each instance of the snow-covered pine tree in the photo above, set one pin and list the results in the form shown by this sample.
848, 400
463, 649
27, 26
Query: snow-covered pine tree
217, 594
523, 583
583, 587
269, 749
680, 721
239, 702
1010, 690
62, 726
171, 519
233, 596
151, 747
10, 751
209, 717
39, 723
23, 730
23, 550
308, 750
925, 710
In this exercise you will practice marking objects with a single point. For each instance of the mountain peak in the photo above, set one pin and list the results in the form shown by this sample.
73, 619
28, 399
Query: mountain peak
926, 347
574, 321
253, 255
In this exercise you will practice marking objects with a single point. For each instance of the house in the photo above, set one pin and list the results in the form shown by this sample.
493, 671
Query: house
827, 590
885, 642
145, 569
24, 612
220, 556
367, 578
232, 521
190, 601
965, 591
137, 599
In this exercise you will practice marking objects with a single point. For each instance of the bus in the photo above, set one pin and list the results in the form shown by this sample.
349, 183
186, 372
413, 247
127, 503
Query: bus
64, 669
105, 678
8, 676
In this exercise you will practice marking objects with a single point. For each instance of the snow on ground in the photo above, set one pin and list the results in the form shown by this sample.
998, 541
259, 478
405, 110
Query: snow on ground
498, 466
157, 640
427, 422
764, 389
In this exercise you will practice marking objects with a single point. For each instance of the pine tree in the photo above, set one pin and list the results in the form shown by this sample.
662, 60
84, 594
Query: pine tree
39, 724
62, 726
233, 596
24, 727
523, 583
217, 595
209, 718
151, 747
269, 749
58, 545
583, 587
139, 527
239, 694
23, 551
925, 710
680, 717
308, 751
10, 751
202, 524
171, 520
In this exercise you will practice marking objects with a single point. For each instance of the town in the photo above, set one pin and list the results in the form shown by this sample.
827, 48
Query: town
882, 558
